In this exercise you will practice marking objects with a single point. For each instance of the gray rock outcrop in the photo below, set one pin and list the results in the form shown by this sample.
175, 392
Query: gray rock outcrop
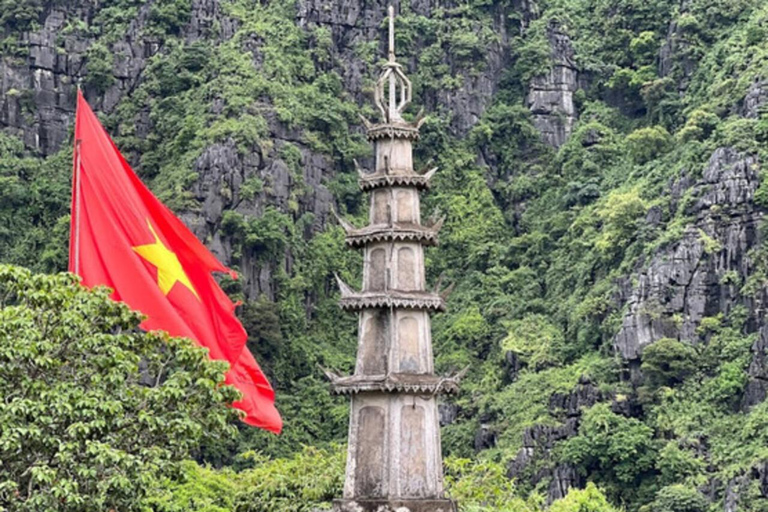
688, 280
539, 441
550, 96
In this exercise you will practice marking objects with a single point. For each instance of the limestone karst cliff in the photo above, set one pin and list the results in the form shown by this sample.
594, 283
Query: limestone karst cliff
601, 167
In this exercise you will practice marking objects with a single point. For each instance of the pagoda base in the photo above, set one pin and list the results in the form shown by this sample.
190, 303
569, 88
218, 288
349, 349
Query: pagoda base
414, 505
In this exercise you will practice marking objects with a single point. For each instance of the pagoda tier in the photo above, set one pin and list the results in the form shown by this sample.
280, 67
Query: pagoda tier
395, 178
395, 383
352, 300
393, 130
395, 232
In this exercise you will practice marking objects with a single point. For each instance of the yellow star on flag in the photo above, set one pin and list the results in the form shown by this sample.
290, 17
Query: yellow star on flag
169, 269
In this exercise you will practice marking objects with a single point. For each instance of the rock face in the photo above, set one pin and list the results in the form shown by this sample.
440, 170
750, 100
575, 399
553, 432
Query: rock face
701, 276
37, 96
756, 100
689, 280
352, 22
550, 97
539, 440
37, 103
757, 388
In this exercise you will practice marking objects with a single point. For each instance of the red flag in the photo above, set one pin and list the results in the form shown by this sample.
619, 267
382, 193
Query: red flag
123, 237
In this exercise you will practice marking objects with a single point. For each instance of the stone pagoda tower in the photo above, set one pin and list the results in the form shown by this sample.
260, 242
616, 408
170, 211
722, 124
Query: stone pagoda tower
394, 463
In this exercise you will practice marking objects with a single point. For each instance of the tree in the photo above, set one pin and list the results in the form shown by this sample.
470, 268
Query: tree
589, 499
535, 340
679, 498
616, 449
668, 362
648, 143
95, 411
483, 486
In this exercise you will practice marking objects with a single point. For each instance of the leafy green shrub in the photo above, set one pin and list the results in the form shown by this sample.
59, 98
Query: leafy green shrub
34, 206
169, 16
261, 320
679, 498
17, 17
628, 83
483, 486
535, 340
644, 47
615, 449
94, 410
620, 213
668, 362
591, 149
311, 479
676, 464
534, 55
589, 499
308, 480
645, 144
99, 61
196, 489
699, 126
582, 193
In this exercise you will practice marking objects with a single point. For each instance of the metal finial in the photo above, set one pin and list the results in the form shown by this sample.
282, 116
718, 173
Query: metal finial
393, 89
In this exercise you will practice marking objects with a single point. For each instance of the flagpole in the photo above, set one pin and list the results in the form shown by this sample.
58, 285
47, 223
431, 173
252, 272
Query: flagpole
77, 206
77, 176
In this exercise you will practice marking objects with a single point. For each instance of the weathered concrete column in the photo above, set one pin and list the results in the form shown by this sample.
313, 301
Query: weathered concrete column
394, 462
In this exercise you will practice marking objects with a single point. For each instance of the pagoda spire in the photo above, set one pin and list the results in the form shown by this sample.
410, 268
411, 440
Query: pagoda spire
394, 460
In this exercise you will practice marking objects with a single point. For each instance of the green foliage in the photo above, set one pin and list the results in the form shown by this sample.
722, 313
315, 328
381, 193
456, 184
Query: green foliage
99, 61
19, 16
265, 237
648, 143
591, 148
304, 482
532, 51
589, 499
620, 213
679, 498
538, 241
94, 411
484, 487
168, 16
644, 47
525, 402
678, 464
34, 206
616, 451
535, 341
699, 126
196, 489
668, 362
311, 479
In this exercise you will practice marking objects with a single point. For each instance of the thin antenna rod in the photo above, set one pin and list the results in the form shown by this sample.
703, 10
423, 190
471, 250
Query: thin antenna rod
391, 34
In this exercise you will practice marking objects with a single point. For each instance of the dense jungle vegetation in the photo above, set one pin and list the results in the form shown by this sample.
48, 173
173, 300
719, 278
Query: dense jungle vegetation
540, 242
